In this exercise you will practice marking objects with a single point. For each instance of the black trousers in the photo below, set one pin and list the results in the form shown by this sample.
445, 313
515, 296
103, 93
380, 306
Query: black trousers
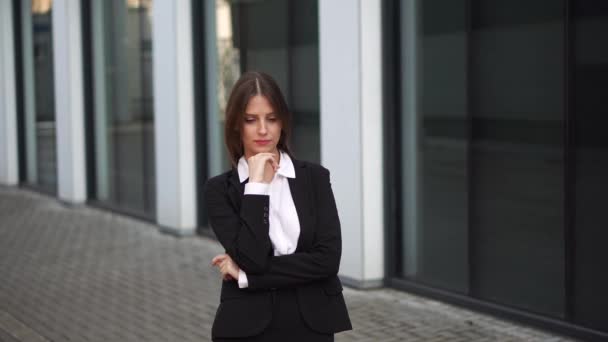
287, 323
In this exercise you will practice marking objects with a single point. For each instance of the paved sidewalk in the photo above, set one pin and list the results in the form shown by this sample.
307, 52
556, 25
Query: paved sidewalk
82, 274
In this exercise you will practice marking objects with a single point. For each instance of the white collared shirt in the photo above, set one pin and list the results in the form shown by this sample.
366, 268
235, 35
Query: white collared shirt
283, 223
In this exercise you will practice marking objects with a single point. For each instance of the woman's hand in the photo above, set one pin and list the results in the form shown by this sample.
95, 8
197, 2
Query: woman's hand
262, 167
228, 268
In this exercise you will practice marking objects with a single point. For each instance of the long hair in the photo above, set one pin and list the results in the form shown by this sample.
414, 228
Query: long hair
250, 84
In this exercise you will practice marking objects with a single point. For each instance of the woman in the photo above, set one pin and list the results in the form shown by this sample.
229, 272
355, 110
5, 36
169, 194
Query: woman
277, 220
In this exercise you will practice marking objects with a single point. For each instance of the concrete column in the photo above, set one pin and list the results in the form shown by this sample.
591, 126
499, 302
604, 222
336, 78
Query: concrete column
174, 117
9, 165
69, 101
351, 98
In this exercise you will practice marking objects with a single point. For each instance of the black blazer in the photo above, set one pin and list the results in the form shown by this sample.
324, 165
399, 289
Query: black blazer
241, 225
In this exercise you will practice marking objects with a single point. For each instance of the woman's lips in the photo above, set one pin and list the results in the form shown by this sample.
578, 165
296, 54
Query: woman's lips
262, 142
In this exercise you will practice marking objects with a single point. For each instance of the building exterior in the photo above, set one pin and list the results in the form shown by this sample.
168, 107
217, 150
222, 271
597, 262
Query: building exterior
465, 138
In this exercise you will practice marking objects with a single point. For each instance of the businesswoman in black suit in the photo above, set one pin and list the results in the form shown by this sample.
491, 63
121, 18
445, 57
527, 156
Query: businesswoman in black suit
277, 220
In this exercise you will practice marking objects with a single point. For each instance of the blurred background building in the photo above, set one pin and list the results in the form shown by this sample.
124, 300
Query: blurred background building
466, 138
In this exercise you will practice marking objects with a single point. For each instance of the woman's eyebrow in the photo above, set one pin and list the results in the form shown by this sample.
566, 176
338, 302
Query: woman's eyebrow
271, 113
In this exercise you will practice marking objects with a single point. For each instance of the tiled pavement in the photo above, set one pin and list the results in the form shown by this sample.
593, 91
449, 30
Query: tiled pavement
82, 274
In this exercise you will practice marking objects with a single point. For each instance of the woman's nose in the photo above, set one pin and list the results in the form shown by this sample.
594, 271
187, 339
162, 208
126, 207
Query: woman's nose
262, 128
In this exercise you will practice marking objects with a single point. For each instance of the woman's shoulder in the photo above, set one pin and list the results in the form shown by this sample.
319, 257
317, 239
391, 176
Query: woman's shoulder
315, 168
217, 181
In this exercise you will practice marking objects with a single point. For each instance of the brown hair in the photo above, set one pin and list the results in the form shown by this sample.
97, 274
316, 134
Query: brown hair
250, 84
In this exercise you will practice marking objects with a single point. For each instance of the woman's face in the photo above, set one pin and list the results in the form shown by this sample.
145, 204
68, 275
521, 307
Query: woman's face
261, 127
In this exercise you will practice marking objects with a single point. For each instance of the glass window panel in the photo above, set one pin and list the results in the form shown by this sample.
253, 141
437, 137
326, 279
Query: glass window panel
590, 112
517, 164
435, 147
123, 105
39, 94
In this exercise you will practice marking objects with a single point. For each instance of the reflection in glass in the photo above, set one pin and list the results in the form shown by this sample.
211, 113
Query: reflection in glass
228, 55
591, 146
265, 35
39, 96
41, 7
435, 146
517, 159
123, 110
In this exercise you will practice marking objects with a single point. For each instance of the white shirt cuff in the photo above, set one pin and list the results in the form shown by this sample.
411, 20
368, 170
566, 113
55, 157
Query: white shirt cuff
253, 188
243, 283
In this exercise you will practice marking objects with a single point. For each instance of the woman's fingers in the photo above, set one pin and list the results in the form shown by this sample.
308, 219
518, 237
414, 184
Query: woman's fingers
271, 159
223, 266
261, 157
224, 269
274, 163
219, 258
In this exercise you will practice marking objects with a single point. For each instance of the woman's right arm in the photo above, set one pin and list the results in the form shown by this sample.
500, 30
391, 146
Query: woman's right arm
244, 234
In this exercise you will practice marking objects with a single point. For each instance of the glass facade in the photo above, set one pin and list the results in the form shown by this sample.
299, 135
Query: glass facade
275, 36
500, 144
38, 95
122, 99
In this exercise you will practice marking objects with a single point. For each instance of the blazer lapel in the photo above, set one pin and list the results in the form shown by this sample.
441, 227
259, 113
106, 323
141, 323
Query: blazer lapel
236, 188
300, 188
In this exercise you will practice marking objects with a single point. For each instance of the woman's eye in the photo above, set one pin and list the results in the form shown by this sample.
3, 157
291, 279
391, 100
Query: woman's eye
249, 120
272, 119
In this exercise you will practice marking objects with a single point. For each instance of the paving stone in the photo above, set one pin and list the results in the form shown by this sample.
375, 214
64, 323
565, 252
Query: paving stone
6, 337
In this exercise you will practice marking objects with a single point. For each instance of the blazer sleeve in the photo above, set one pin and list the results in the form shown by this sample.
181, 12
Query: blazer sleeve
321, 261
244, 234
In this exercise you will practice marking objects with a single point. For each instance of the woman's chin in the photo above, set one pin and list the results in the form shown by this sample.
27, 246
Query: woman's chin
255, 150
264, 149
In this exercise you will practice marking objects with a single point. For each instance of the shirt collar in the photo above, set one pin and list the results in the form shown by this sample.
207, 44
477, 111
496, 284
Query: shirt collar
286, 168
